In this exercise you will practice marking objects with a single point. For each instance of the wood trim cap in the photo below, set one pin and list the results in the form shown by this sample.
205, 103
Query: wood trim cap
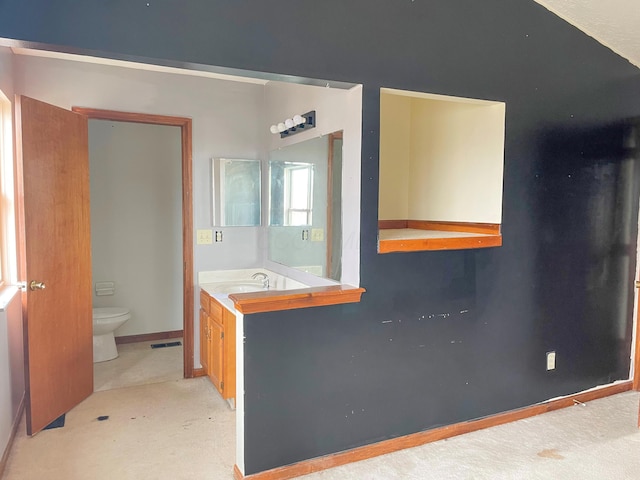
275, 300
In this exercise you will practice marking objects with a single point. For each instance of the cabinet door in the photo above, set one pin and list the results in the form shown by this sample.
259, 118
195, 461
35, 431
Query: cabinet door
216, 355
204, 340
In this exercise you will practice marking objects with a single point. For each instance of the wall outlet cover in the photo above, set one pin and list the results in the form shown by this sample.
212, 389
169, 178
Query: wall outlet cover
551, 360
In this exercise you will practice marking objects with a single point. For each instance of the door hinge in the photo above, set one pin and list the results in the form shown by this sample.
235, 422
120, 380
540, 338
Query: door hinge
221, 385
221, 334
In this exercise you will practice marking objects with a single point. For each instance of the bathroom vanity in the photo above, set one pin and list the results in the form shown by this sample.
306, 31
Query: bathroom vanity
218, 344
218, 319
227, 295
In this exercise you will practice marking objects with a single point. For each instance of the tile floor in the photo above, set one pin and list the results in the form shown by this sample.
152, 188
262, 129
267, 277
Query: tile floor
139, 364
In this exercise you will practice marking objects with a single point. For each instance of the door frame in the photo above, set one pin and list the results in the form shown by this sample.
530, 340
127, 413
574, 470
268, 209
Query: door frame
185, 125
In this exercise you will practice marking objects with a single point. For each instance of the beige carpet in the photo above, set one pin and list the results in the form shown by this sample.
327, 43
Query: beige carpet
139, 364
599, 441
173, 430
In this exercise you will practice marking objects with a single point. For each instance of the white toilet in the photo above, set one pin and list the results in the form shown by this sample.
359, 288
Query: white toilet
105, 321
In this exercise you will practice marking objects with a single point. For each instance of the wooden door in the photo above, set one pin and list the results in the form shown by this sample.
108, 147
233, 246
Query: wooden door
52, 185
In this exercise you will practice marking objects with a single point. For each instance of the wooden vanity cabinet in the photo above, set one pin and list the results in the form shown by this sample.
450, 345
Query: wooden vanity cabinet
218, 345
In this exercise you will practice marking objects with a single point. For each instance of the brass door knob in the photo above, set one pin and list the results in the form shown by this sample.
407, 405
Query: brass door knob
36, 285
637, 283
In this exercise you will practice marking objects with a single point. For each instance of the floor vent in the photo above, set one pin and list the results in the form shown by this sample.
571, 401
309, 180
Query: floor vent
163, 345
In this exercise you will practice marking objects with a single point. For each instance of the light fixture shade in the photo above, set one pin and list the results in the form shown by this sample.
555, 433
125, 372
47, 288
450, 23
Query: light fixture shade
295, 124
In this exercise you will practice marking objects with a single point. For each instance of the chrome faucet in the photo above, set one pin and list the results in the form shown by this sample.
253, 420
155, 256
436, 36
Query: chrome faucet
264, 277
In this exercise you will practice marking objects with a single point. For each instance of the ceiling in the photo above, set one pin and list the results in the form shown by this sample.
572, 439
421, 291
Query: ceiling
614, 23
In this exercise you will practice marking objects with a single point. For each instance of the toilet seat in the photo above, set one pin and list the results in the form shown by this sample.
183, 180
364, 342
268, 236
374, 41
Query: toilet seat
103, 313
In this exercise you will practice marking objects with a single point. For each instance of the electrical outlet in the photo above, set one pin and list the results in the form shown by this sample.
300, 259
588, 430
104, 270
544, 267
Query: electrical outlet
305, 234
204, 237
551, 360
218, 236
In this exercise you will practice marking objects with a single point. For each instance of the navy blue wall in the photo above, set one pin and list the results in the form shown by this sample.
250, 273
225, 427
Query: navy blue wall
439, 337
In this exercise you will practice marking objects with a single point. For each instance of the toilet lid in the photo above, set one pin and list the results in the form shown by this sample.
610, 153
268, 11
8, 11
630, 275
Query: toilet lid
109, 312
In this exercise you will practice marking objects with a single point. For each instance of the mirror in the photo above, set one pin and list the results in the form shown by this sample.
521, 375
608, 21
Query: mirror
236, 192
305, 209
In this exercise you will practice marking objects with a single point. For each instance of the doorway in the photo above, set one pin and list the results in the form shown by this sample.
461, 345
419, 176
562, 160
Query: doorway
184, 124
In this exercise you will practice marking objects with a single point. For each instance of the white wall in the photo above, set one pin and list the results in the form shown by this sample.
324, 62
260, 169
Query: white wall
12, 386
6, 72
6, 413
136, 221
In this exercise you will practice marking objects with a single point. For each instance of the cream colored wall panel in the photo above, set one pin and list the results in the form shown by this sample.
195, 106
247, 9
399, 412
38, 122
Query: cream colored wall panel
395, 133
456, 161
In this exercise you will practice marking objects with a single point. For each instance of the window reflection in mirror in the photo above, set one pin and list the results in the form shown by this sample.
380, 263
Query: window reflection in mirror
236, 192
291, 193
305, 209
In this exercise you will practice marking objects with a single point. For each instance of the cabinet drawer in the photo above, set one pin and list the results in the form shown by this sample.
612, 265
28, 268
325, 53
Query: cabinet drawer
215, 310
204, 302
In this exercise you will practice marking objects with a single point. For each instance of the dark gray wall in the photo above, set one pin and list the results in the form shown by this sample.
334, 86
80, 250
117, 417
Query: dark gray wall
439, 337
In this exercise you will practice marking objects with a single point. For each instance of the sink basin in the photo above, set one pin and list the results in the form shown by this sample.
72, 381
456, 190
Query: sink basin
238, 287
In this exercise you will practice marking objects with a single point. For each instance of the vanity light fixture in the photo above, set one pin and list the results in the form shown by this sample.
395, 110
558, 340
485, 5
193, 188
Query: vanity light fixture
295, 125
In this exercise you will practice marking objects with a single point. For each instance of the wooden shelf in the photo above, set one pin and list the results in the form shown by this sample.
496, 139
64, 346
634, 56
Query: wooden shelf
275, 300
417, 235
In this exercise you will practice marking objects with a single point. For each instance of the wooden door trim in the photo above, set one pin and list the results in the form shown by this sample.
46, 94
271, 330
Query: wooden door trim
185, 125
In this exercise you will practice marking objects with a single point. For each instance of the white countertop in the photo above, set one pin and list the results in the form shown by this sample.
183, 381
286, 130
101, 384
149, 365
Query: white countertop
218, 283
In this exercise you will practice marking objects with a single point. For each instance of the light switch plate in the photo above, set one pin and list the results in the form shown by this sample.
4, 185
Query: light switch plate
204, 237
317, 234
